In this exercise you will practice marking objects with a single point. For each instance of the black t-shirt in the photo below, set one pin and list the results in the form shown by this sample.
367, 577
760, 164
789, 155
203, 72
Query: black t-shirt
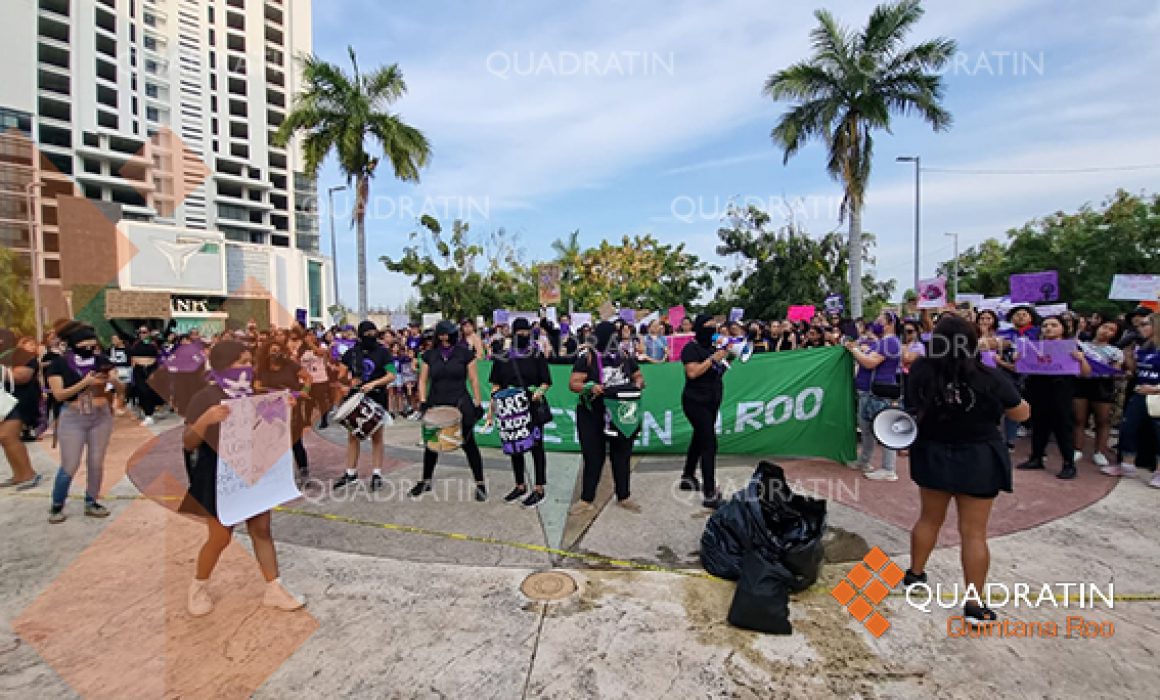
61, 368
369, 366
618, 370
119, 356
528, 372
202, 401
285, 377
707, 387
968, 413
448, 377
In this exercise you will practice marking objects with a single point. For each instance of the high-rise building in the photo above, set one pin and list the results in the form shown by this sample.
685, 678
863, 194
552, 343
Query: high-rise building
162, 113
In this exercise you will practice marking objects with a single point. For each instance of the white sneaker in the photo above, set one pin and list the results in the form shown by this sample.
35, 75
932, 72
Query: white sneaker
278, 597
1077, 455
882, 475
1128, 470
1155, 482
1022, 432
1111, 470
147, 422
1099, 459
198, 602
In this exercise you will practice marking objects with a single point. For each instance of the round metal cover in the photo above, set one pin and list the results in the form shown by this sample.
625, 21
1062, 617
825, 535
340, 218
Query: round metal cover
548, 586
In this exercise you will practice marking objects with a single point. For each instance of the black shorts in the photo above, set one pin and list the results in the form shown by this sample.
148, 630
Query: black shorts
1095, 389
979, 469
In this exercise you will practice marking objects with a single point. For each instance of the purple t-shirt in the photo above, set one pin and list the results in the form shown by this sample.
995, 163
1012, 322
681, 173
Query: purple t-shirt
889, 347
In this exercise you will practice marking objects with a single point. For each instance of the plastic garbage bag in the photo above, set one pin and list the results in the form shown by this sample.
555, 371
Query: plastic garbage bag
761, 601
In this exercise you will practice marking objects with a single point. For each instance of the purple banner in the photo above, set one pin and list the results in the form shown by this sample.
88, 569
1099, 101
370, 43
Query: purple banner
1035, 287
500, 317
339, 348
1046, 357
628, 315
736, 314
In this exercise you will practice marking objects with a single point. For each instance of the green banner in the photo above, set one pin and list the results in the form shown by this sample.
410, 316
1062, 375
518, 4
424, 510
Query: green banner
786, 404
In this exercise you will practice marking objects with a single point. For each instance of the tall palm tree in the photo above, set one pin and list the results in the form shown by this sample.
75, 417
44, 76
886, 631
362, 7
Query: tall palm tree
345, 113
851, 86
568, 252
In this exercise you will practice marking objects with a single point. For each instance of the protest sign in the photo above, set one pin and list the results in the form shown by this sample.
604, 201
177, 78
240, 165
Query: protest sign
988, 357
834, 304
548, 276
973, 299
255, 470
1135, 287
1046, 357
189, 357
677, 342
800, 313
676, 315
736, 314
499, 317
778, 404
1045, 310
399, 321
552, 314
627, 315
339, 347
580, 318
429, 320
932, 293
989, 303
1035, 287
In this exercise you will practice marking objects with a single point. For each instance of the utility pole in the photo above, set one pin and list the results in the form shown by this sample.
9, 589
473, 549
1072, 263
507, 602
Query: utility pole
955, 275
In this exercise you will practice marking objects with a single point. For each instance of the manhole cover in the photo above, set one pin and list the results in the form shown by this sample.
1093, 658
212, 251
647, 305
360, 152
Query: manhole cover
548, 585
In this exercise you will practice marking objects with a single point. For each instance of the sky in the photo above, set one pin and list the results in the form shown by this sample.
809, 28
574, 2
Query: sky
623, 118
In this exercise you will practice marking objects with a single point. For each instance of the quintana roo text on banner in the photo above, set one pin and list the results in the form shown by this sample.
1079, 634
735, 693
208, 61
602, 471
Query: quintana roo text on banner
796, 404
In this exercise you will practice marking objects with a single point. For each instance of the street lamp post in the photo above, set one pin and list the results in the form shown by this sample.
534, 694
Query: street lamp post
333, 245
34, 253
917, 208
955, 274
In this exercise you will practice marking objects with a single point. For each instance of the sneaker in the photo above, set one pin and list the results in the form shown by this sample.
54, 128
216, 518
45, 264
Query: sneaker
56, 515
1077, 455
419, 489
976, 615
346, 479
1119, 470
1068, 472
630, 505
534, 498
1128, 470
147, 422
1099, 459
516, 494
480, 492
690, 483
712, 502
912, 579
376, 482
96, 510
582, 508
858, 466
26, 484
278, 597
1022, 432
1032, 463
882, 475
198, 602
1155, 482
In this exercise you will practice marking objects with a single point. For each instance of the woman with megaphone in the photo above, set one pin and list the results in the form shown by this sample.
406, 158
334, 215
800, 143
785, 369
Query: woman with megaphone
705, 363
959, 453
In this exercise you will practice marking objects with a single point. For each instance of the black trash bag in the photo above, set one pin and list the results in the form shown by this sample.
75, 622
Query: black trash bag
761, 602
768, 517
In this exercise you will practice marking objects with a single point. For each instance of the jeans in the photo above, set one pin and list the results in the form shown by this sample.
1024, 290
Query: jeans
1136, 420
78, 433
866, 451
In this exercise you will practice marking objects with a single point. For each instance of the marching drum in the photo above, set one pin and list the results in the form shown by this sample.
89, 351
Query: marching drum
361, 415
513, 420
443, 429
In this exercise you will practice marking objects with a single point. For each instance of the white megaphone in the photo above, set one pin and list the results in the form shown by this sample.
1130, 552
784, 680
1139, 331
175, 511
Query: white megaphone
894, 429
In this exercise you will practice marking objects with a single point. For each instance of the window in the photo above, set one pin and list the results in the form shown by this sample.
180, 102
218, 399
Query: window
150, 43
149, 19
151, 66
152, 114
151, 90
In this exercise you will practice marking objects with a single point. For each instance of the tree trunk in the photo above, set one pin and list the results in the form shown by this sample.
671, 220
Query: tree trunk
360, 220
855, 262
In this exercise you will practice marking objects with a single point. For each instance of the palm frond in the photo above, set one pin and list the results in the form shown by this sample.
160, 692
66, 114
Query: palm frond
889, 25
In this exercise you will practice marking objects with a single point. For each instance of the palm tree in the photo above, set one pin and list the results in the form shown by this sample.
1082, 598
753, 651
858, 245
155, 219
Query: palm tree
568, 252
850, 87
342, 112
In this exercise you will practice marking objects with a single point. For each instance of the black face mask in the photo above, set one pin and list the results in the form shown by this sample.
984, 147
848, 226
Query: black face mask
705, 335
369, 342
85, 352
522, 341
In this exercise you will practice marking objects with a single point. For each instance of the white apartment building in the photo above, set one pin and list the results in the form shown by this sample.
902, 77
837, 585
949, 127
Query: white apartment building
164, 111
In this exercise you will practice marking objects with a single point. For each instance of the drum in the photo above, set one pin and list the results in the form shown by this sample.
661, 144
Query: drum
361, 415
513, 420
443, 429
623, 413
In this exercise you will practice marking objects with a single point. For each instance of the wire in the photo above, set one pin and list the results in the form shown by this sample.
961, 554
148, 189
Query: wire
1043, 171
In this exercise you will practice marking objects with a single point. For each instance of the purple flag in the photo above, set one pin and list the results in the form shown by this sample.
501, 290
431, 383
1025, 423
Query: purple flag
339, 348
628, 315
186, 358
1101, 368
1035, 287
1046, 357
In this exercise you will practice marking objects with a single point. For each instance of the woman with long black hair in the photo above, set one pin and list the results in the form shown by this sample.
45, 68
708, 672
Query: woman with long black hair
523, 368
1142, 360
959, 454
448, 368
277, 371
700, 400
1094, 395
1052, 410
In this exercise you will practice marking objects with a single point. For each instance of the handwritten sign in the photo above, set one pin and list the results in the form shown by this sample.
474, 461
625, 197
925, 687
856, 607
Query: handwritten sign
1045, 310
1135, 287
932, 293
800, 313
1035, 287
1046, 357
513, 419
255, 470
400, 321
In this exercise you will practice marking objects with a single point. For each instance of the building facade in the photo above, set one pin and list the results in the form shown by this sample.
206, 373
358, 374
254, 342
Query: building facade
161, 115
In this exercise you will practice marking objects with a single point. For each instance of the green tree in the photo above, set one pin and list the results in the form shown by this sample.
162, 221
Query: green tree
568, 255
640, 273
849, 88
343, 113
17, 311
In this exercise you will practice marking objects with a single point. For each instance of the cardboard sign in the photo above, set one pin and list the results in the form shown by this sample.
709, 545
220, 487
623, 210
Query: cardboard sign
136, 305
800, 313
932, 293
1035, 287
1134, 287
676, 315
1046, 357
255, 470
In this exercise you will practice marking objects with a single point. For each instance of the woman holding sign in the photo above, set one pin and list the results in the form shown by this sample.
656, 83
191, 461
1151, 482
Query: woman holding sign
519, 379
1052, 412
231, 374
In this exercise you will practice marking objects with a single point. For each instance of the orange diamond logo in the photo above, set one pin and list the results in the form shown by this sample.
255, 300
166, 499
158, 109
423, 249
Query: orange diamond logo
867, 585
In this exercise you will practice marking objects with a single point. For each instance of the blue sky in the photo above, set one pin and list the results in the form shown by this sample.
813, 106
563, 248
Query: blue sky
647, 117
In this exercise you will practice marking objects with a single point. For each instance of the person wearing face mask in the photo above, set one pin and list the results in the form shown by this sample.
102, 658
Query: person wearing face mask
1094, 395
1052, 411
525, 368
701, 399
600, 367
144, 356
448, 368
231, 376
371, 369
276, 371
877, 384
79, 380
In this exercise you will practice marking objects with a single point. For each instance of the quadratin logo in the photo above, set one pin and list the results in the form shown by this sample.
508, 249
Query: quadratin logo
865, 586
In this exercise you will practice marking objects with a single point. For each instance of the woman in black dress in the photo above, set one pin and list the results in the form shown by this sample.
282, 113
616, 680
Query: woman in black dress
447, 369
524, 367
231, 374
959, 454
